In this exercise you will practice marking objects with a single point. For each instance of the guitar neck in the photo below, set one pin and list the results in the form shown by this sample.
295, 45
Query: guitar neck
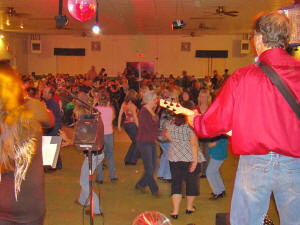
178, 109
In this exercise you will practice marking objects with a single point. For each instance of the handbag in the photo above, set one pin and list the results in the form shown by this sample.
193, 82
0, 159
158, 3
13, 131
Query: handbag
282, 87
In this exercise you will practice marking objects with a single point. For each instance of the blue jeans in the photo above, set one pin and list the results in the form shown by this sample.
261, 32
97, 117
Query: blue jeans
132, 153
164, 166
149, 156
256, 178
214, 177
109, 155
84, 182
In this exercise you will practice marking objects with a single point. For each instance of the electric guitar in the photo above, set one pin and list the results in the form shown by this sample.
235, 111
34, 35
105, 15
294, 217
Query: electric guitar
176, 108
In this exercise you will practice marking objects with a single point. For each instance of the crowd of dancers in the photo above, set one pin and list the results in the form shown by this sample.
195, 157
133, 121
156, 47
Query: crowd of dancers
132, 104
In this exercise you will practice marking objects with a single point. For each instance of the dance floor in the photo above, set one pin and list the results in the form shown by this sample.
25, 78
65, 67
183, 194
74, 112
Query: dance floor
120, 202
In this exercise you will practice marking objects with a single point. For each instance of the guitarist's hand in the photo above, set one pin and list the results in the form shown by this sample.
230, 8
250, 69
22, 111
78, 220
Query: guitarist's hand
193, 166
190, 118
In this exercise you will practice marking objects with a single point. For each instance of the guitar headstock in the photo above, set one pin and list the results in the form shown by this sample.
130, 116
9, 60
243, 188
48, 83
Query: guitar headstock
175, 107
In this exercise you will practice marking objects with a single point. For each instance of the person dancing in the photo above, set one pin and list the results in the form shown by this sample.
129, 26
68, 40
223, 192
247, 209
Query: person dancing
107, 116
204, 100
22, 191
130, 125
217, 151
147, 134
184, 162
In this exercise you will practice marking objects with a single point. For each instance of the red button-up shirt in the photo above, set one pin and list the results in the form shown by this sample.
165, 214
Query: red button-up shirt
252, 107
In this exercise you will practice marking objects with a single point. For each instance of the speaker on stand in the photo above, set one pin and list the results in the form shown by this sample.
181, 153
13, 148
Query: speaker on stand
89, 132
89, 137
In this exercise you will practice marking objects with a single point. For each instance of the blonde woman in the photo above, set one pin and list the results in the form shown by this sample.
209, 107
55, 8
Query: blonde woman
22, 194
130, 125
204, 100
107, 116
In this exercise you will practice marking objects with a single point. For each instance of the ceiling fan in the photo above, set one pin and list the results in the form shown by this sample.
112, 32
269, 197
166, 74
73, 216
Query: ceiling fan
221, 11
12, 19
194, 32
11, 12
205, 18
202, 26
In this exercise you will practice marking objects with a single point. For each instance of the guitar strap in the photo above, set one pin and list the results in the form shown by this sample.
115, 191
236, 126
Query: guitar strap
282, 87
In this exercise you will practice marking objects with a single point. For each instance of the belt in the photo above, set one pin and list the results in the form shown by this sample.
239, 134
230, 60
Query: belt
274, 154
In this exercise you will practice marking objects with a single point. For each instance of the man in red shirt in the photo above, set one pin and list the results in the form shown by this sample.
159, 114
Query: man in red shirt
265, 130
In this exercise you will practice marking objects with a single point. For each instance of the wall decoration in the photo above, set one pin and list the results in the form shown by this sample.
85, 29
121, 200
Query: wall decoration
96, 46
185, 46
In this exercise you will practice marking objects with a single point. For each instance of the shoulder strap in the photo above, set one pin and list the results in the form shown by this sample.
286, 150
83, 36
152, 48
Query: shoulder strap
282, 87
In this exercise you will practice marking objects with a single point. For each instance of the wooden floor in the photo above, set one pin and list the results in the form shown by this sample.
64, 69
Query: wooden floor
120, 202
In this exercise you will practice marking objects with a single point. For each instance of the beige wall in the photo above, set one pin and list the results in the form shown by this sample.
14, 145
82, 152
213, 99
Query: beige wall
116, 50
18, 53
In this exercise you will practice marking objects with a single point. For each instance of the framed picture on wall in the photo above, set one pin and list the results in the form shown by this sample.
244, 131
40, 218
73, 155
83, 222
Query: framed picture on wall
185, 46
96, 46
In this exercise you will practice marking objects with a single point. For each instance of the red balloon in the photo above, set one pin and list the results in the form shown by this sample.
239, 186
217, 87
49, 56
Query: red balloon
82, 10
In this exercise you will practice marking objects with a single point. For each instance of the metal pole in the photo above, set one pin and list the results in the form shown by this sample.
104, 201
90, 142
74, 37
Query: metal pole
91, 187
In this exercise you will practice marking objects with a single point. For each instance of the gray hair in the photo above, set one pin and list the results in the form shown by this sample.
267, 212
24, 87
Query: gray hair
148, 96
274, 28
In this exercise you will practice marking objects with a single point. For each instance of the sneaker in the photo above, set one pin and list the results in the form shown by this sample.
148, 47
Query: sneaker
215, 197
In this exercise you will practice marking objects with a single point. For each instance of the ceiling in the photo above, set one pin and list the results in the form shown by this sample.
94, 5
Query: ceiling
152, 17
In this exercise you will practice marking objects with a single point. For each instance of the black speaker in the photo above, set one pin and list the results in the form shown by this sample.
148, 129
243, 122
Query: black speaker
89, 133
211, 54
69, 51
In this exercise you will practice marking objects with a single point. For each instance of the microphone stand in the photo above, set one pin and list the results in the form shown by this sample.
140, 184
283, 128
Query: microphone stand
86, 105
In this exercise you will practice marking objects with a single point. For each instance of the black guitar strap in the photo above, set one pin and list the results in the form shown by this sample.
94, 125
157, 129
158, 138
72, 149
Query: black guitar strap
282, 87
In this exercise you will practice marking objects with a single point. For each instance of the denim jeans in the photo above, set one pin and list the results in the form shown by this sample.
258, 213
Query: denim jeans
84, 198
149, 156
109, 155
132, 153
214, 177
164, 166
257, 177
